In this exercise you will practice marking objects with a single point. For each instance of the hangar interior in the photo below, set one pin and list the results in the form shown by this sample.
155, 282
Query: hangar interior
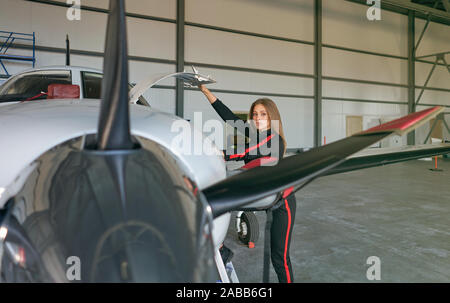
253, 48
324, 63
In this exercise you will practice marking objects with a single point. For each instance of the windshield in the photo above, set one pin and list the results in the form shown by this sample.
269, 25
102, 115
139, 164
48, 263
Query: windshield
32, 85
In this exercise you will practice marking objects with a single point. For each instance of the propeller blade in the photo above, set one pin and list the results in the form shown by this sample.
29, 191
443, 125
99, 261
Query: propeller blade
257, 183
114, 123
384, 156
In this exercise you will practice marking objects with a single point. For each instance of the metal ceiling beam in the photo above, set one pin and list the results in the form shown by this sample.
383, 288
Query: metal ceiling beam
436, 2
434, 55
421, 11
446, 5
418, 8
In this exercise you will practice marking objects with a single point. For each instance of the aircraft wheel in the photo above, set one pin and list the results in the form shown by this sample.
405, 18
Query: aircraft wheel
248, 231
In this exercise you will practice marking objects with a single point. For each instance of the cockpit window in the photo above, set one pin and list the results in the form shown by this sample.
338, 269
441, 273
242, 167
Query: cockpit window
30, 85
92, 87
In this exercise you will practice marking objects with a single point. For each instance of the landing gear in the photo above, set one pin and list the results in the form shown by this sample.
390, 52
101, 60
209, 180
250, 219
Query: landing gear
247, 228
227, 273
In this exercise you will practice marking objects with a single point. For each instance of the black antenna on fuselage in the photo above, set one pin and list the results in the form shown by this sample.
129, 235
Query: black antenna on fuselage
114, 122
67, 51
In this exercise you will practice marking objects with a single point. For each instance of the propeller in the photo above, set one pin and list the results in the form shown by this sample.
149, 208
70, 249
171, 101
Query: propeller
114, 122
260, 182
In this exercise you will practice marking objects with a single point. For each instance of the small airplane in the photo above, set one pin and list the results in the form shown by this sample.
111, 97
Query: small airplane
93, 190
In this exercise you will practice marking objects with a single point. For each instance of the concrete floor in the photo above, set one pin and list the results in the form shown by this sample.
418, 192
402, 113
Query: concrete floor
399, 213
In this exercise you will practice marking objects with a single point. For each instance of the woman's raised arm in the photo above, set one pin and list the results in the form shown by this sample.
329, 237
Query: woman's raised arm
224, 112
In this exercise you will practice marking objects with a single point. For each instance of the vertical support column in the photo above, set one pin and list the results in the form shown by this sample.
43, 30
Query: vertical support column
411, 72
318, 74
179, 89
34, 49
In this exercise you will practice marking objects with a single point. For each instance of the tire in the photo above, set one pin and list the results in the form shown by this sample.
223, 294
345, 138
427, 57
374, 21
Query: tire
248, 232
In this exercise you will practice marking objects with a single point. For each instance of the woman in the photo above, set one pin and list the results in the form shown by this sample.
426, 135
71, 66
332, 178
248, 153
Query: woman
265, 128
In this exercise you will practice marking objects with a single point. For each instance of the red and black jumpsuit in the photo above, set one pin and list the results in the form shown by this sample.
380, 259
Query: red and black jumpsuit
283, 216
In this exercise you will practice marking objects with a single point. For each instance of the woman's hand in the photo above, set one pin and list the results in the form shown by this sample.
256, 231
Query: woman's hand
211, 98
202, 88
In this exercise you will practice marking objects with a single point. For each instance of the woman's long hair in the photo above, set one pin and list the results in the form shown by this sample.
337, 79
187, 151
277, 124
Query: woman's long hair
274, 114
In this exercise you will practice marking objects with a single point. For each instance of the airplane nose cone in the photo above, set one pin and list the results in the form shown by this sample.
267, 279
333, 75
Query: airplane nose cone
140, 254
127, 216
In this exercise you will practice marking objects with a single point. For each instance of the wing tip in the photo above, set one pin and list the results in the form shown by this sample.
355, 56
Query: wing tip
407, 123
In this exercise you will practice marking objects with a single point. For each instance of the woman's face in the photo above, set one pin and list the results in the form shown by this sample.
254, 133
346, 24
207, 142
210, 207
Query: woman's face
261, 117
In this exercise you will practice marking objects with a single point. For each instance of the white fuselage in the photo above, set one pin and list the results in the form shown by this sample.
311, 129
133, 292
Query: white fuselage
27, 130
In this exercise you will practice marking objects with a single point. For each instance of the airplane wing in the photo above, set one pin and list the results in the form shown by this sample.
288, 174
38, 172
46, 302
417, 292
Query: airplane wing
383, 156
259, 182
190, 80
